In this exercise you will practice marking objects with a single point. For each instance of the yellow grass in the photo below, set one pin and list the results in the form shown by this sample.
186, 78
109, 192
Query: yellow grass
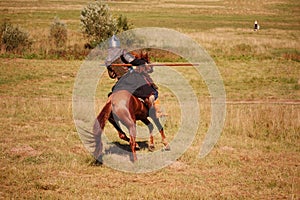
257, 155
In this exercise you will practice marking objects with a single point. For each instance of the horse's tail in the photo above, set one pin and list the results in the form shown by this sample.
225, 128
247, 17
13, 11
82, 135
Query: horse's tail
98, 128
104, 114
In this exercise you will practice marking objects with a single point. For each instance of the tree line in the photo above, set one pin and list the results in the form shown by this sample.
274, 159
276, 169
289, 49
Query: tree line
97, 25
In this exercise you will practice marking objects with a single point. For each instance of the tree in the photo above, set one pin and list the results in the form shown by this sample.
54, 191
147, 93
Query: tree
122, 24
98, 24
58, 33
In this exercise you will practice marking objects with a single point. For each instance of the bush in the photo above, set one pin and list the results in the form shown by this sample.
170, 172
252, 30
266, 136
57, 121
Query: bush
13, 38
98, 24
122, 24
58, 33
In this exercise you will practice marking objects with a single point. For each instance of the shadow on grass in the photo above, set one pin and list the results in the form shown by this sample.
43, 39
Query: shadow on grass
120, 149
117, 146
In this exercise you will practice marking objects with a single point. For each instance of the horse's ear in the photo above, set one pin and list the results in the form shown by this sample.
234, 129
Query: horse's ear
144, 54
147, 56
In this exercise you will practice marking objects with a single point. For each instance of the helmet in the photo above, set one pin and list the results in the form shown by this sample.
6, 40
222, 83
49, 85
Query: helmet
114, 42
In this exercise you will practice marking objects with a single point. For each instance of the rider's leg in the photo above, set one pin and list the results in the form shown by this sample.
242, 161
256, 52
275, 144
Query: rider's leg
150, 103
151, 100
153, 104
154, 107
157, 108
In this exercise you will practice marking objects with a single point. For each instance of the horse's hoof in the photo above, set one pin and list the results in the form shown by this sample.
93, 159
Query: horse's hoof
137, 146
167, 148
134, 159
151, 147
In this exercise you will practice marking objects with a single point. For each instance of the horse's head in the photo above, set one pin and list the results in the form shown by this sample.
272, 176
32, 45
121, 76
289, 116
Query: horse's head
142, 55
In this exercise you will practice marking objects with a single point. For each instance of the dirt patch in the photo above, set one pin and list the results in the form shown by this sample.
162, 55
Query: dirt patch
178, 166
24, 151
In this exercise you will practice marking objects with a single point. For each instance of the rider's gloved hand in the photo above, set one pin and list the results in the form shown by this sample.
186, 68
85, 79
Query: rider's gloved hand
148, 68
145, 68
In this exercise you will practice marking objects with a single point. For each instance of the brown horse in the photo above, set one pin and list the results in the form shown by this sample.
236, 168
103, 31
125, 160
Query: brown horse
122, 135
123, 107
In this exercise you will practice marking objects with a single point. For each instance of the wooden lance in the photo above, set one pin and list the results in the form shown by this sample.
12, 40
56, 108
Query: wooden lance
158, 64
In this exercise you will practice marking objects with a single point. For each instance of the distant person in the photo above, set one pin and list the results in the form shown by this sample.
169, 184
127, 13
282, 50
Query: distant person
256, 26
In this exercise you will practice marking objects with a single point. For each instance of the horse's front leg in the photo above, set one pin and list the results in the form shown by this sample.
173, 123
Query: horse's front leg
162, 133
150, 127
164, 140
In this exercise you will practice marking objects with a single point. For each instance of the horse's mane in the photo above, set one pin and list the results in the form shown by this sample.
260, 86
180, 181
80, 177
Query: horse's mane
141, 55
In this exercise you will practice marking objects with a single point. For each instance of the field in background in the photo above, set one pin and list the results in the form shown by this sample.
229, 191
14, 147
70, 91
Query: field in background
257, 156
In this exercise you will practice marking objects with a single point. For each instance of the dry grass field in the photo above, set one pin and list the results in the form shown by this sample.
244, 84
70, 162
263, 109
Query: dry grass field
257, 155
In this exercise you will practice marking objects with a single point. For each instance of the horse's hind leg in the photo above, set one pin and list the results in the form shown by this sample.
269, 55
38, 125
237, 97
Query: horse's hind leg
132, 131
121, 133
129, 122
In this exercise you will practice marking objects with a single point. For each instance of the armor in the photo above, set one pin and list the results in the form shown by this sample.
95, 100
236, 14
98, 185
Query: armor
114, 42
113, 55
128, 57
117, 55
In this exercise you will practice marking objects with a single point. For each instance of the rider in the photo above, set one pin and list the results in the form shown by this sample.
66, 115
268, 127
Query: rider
135, 80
